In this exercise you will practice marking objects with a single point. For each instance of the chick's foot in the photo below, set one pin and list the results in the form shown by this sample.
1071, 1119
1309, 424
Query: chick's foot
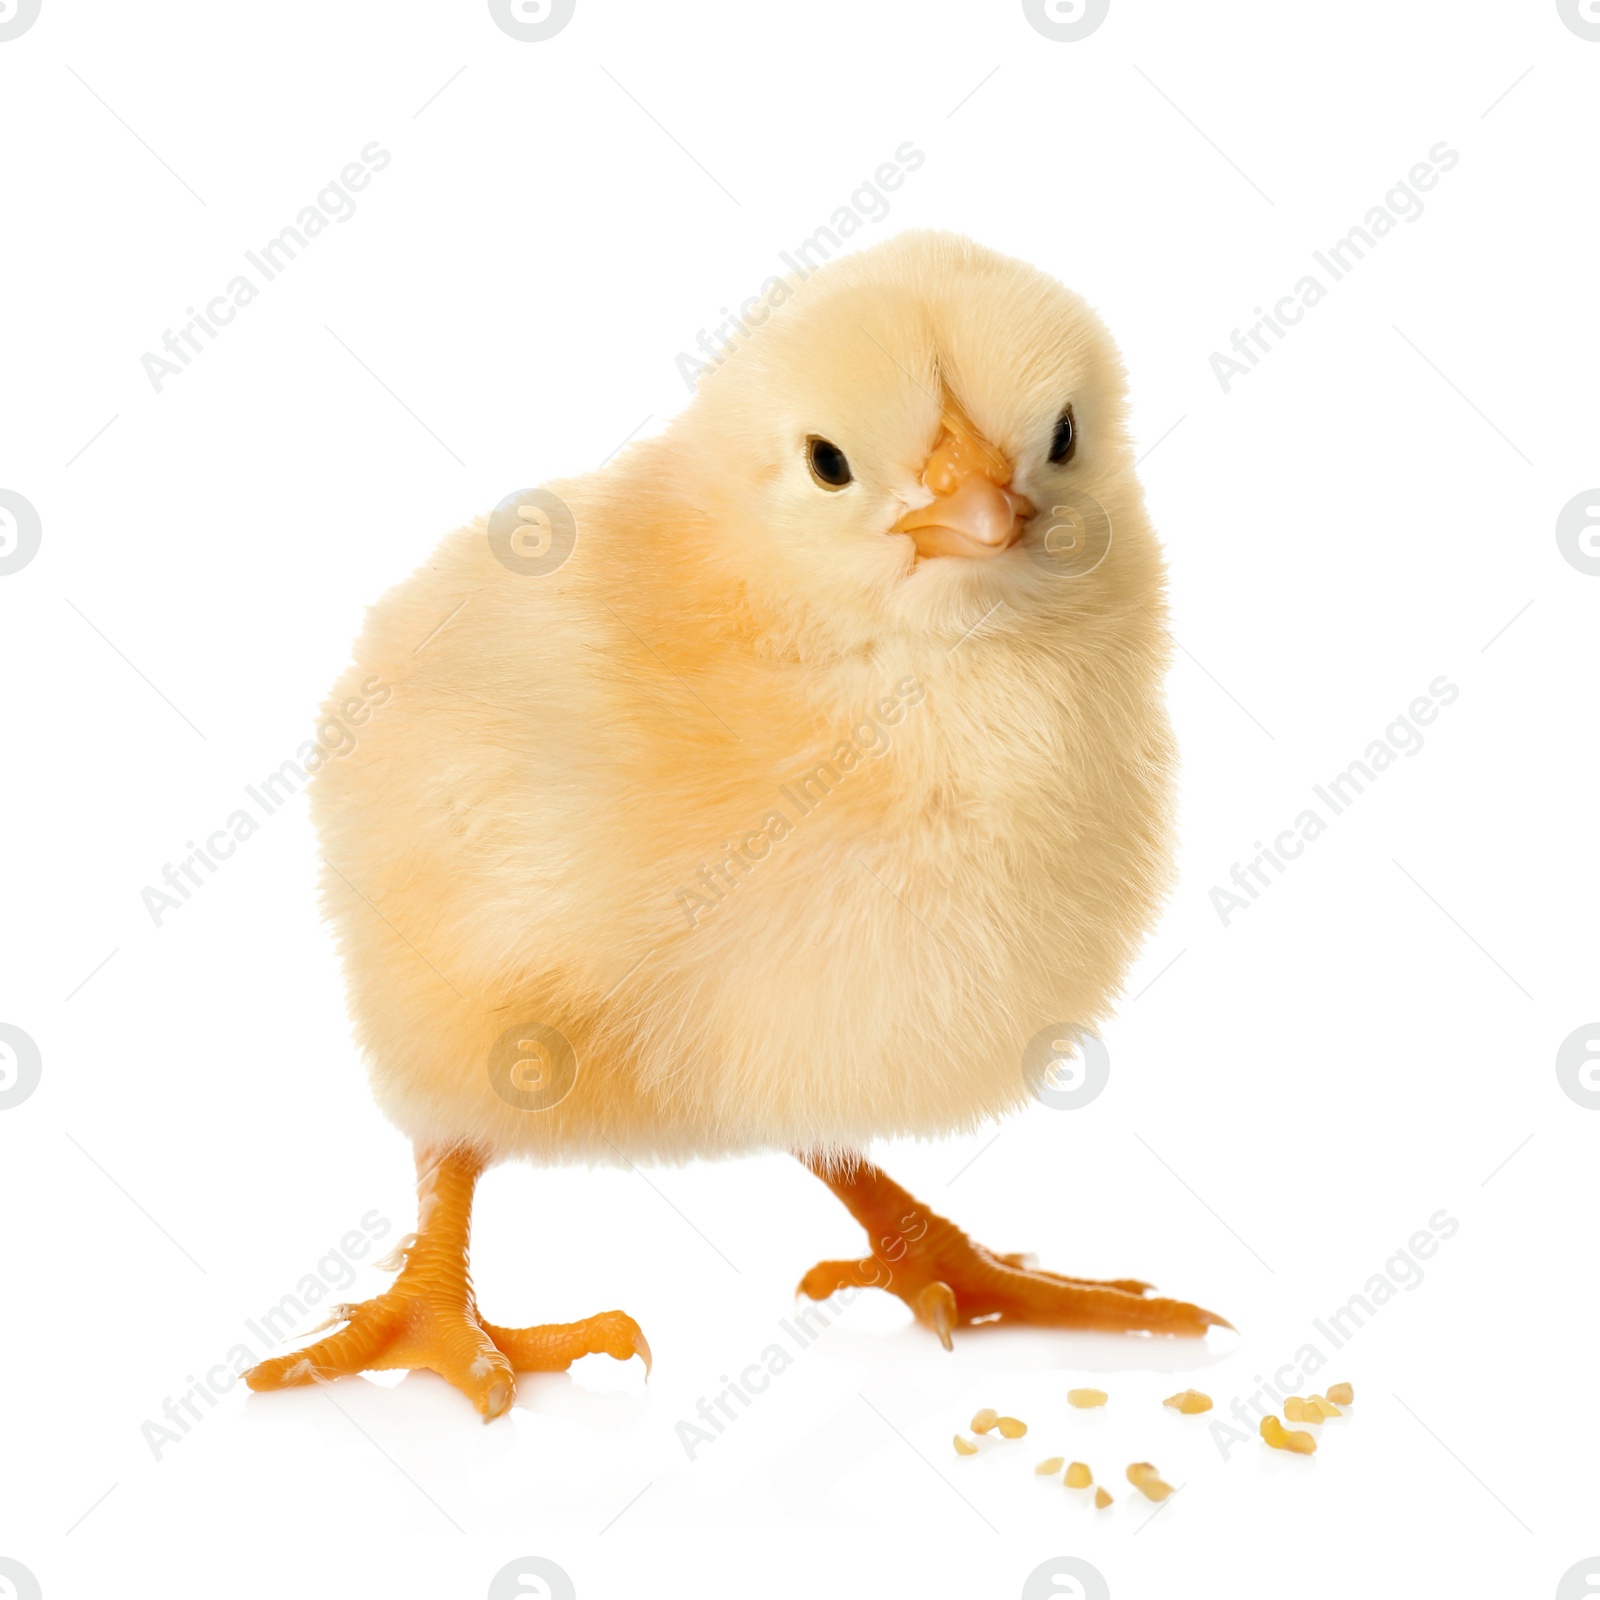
948, 1281
429, 1317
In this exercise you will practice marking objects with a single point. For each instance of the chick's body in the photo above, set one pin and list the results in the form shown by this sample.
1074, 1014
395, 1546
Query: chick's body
797, 838
827, 771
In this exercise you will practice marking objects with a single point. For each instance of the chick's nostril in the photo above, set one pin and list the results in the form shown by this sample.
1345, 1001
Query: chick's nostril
956, 457
960, 453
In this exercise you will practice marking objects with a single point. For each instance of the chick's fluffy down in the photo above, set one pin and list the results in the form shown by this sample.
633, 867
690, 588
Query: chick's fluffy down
558, 816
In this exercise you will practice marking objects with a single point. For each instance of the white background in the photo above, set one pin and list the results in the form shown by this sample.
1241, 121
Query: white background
1291, 1097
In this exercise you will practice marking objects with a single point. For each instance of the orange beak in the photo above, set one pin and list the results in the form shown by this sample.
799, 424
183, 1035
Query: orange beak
974, 513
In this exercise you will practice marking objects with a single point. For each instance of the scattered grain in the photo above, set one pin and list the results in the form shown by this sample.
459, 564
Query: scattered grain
1281, 1438
1148, 1481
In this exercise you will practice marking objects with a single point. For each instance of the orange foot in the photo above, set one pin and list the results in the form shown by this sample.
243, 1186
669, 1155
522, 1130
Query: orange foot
429, 1318
948, 1281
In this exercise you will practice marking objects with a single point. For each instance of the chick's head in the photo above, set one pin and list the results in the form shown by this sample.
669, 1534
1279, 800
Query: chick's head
919, 432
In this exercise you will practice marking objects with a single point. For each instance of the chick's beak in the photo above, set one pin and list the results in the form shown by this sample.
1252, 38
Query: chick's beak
974, 512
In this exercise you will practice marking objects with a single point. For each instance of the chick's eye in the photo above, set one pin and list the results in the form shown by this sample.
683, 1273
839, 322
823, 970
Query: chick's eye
1065, 440
827, 463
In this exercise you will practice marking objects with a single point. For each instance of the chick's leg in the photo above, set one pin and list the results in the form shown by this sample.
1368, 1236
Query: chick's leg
948, 1281
429, 1317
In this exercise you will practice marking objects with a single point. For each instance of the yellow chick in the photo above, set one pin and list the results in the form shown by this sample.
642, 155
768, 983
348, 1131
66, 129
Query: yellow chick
770, 788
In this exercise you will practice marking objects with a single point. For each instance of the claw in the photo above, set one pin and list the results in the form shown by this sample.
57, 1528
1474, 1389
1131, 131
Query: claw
497, 1401
936, 1308
641, 1348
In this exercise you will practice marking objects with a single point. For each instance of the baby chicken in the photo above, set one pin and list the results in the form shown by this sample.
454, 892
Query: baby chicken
770, 788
